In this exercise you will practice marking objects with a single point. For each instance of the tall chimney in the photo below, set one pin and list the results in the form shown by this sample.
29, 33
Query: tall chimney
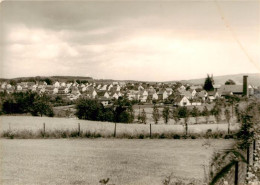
245, 86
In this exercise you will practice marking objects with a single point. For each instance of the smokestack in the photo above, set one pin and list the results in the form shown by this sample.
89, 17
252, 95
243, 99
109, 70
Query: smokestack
245, 86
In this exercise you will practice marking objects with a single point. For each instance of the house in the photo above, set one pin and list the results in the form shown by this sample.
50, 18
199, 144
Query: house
19, 88
63, 84
115, 95
194, 87
182, 87
83, 89
3, 85
162, 94
152, 95
133, 95
33, 88
109, 87
99, 86
202, 95
105, 101
212, 95
103, 88
63, 90
56, 84
103, 94
48, 89
216, 87
182, 101
8, 86
75, 91
187, 94
55, 90
140, 88
143, 98
193, 92
231, 89
169, 91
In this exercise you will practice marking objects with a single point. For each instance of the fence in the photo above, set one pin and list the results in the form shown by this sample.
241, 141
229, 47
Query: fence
238, 173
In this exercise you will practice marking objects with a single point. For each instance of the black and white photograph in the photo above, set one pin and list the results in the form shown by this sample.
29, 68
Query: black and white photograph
130, 92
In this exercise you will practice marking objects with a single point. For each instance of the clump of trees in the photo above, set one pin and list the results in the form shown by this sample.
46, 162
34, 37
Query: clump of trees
26, 102
208, 84
230, 82
91, 109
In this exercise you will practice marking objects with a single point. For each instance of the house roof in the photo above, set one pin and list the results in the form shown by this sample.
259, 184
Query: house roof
179, 98
231, 88
186, 93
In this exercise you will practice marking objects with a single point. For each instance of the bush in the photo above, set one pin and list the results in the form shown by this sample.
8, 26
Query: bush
176, 136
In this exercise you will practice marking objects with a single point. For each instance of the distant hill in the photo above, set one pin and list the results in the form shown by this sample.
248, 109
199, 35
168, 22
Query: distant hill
253, 79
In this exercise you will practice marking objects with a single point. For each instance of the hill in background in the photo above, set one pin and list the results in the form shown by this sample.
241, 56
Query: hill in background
253, 79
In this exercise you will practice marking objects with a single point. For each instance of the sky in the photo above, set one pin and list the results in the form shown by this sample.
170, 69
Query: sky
129, 40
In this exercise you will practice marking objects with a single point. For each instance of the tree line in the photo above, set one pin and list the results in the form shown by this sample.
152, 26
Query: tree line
91, 109
25, 102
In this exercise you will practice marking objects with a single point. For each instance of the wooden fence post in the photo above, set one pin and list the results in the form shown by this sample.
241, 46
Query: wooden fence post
115, 131
43, 129
236, 173
78, 129
254, 147
248, 157
150, 130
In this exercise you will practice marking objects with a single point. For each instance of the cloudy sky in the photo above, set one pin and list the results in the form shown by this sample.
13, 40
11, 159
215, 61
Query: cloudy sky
154, 41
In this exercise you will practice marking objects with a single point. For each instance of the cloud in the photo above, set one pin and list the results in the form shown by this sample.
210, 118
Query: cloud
126, 40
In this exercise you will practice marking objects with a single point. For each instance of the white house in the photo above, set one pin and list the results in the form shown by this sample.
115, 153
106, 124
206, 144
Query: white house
56, 84
182, 101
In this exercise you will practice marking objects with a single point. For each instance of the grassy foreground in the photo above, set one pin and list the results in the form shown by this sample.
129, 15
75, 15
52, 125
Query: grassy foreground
128, 162
31, 127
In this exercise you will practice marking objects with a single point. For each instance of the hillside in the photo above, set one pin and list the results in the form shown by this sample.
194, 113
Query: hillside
253, 79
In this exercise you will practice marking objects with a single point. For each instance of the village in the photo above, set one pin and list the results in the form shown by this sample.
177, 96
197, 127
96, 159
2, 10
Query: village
141, 93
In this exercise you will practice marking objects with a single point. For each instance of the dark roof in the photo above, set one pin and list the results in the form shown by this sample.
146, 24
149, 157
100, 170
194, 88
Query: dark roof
231, 88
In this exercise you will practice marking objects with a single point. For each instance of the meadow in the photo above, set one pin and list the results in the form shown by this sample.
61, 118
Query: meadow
124, 161
35, 124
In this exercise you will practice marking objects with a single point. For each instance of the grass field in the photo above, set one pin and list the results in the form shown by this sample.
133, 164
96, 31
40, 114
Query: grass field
17, 123
86, 161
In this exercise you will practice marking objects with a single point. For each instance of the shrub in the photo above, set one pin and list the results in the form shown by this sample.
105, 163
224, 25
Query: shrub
176, 136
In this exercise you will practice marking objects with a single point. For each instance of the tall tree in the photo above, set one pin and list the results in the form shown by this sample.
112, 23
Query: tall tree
228, 117
206, 113
156, 114
184, 113
195, 113
143, 117
216, 112
42, 106
166, 114
175, 115
208, 84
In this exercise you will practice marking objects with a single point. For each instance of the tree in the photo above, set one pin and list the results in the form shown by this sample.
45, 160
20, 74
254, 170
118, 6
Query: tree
143, 117
88, 109
124, 112
216, 112
156, 114
228, 117
195, 113
206, 113
249, 129
41, 106
183, 112
231, 101
166, 114
230, 82
175, 115
208, 84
